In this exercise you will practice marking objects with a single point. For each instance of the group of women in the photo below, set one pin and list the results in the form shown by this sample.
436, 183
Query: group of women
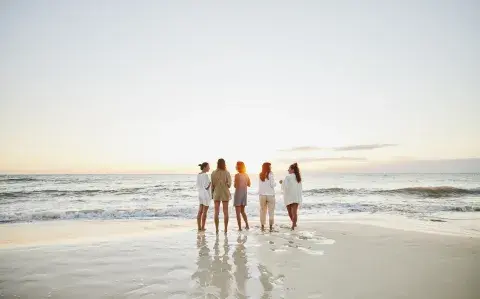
218, 189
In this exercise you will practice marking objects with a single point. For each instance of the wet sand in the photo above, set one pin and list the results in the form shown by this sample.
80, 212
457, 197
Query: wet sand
160, 259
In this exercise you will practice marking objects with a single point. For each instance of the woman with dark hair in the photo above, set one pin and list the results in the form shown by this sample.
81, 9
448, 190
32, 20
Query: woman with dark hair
241, 184
266, 191
221, 182
292, 192
204, 196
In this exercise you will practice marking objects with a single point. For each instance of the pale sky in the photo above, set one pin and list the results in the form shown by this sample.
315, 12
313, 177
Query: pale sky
160, 86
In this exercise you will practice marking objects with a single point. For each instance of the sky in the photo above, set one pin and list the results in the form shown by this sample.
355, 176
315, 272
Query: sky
161, 86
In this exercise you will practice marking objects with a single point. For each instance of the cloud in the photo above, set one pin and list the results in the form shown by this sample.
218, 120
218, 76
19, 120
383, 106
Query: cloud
302, 149
325, 159
356, 147
467, 165
361, 147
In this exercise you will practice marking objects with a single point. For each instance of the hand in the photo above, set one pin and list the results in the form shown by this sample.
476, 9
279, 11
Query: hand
281, 181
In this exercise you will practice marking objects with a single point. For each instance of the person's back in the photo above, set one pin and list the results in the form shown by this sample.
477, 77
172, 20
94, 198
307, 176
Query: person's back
267, 186
266, 192
241, 181
221, 181
203, 184
292, 190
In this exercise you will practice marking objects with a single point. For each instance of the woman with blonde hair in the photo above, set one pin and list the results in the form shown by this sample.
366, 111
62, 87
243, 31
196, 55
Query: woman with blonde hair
221, 182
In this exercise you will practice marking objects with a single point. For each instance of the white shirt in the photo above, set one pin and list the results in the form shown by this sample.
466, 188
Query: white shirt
267, 187
292, 190
203, 180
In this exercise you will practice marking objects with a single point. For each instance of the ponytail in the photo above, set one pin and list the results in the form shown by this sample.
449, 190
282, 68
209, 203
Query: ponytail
296, 170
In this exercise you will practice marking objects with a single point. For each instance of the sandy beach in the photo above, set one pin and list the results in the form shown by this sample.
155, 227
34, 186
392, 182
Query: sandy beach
169, 259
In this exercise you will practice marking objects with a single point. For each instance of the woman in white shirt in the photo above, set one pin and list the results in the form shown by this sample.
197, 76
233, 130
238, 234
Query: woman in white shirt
204, 195
292, 192
266, 191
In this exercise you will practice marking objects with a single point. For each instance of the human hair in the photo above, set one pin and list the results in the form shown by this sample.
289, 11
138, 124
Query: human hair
203, 165
296, 170
266, 169
221, 164
241, 167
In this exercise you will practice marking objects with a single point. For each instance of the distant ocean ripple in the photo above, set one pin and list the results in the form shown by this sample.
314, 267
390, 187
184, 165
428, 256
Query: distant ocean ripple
51, 197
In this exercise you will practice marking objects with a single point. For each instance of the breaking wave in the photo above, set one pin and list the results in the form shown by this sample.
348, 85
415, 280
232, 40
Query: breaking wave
435, 192
87, 192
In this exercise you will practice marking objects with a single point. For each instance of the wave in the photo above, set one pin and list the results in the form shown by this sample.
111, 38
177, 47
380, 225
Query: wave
386, 208
17, 179
435, 192
101, 214
79, 193
190, 212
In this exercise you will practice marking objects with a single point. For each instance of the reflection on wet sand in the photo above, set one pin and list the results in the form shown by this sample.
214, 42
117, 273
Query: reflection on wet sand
222, 273
204, 262
266, 280
241, 270
222, 268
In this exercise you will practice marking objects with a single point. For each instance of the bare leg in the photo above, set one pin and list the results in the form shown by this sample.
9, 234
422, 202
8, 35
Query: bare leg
295, 214
217, 211
199, 217
238, 210
204, 216
244, 215
289, 209
225, 214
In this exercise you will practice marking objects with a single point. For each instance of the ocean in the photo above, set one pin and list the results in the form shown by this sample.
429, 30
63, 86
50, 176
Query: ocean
434, 197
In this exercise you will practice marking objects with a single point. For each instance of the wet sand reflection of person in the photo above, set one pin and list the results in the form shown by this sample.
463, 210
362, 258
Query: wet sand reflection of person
266, 281
222, 268
204, 263
241, 269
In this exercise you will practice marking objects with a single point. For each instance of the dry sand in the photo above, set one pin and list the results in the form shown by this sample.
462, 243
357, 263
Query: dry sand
162, 259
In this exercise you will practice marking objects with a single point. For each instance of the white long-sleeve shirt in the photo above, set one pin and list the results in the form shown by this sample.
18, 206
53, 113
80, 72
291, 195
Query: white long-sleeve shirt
203, 182
267, 187
292, 190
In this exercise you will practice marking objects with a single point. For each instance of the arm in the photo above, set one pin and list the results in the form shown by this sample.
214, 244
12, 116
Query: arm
284, 183
271, 179
212, 184
213, 181
206, 183
300, 192
229, 179
235, 181
248, 181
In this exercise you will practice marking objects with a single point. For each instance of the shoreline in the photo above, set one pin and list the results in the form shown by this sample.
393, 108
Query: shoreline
40, 233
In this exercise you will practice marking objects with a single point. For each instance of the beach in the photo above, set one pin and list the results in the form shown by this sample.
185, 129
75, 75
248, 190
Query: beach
330, 258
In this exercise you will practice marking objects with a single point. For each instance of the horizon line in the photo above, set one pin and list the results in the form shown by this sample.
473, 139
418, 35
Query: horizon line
157, 173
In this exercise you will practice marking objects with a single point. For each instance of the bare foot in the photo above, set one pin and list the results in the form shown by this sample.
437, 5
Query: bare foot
293, 227
263, 227
271, 228
216, 231
240, 229
247, 227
